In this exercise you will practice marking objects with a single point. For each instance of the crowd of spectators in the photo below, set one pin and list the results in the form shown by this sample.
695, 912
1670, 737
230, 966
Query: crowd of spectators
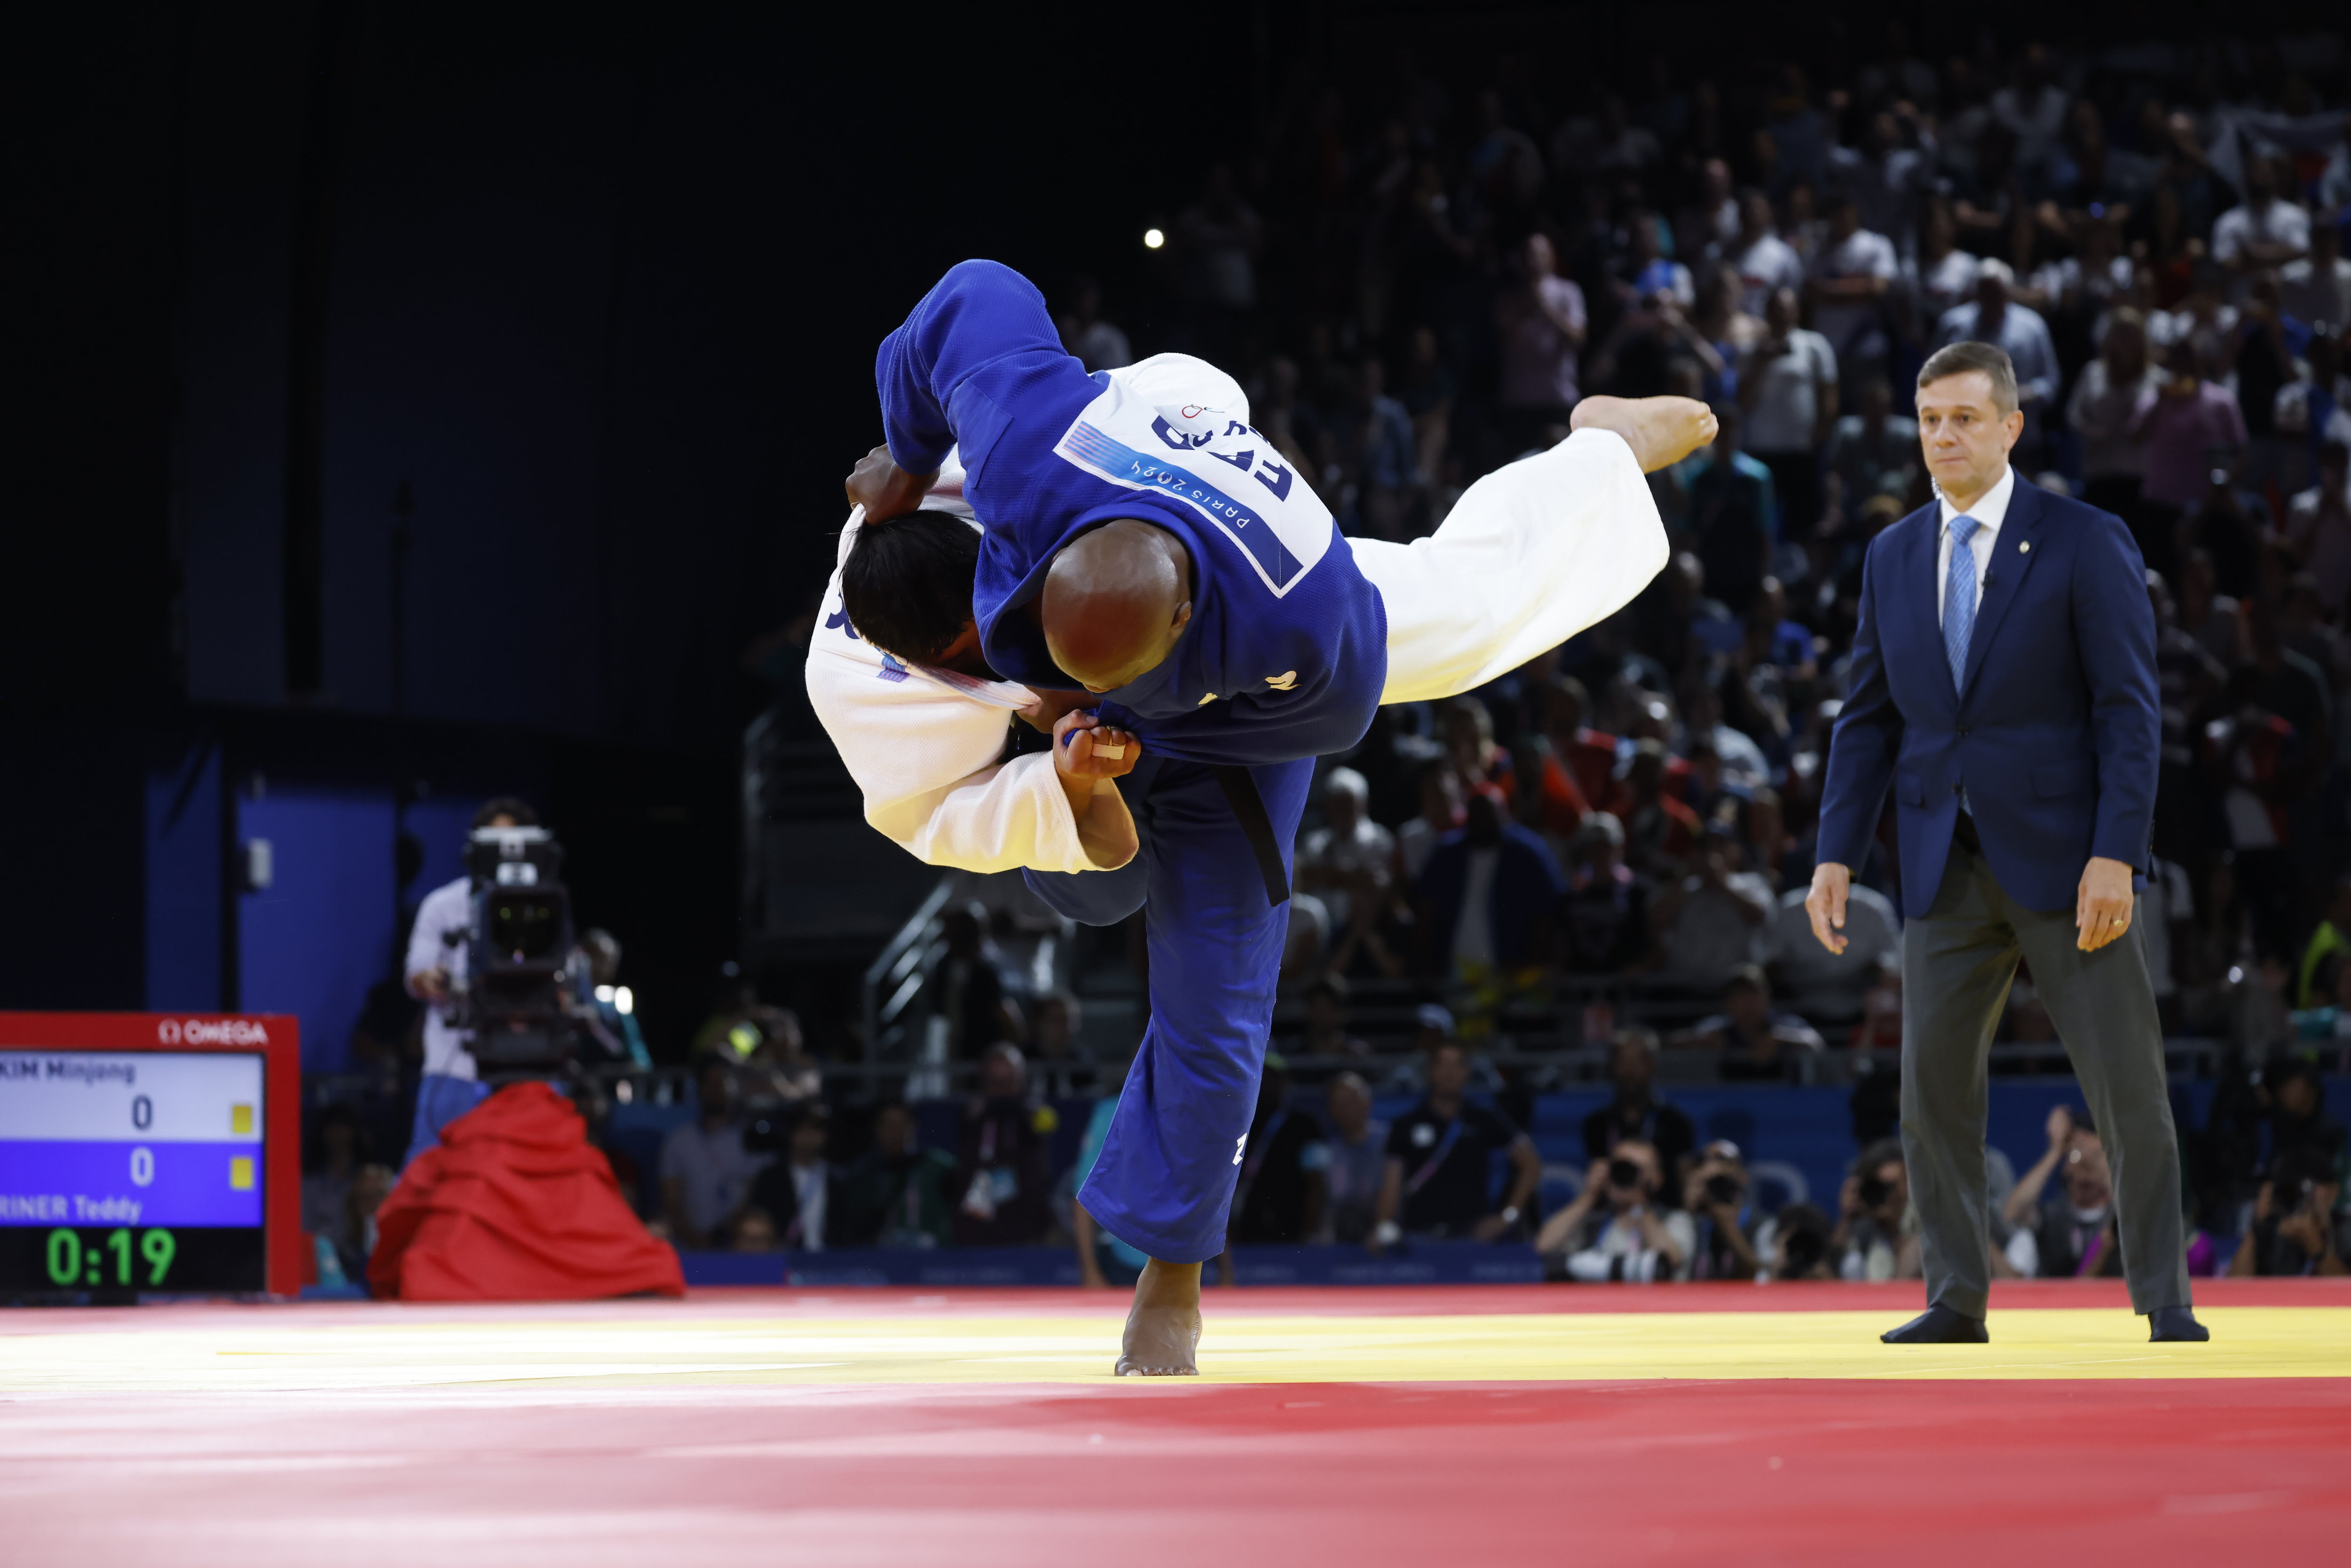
1416, 276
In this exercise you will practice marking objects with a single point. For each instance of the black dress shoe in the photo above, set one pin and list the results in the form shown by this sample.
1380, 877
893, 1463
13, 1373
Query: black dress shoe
1940, 1326
2175, 1324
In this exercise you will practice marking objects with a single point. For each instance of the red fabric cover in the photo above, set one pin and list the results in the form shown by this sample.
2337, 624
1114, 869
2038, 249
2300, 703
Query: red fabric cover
515, 1206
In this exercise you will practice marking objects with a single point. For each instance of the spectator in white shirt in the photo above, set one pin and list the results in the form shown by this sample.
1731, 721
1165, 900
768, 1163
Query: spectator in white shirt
2107, 397
2317, 287
706, 1172
1788, 388
2034, 108
1850, 278
1888, 179
435, 976
1943, 275
1766, 262
2267, 231
1349, 861
1823, 987
1992, 318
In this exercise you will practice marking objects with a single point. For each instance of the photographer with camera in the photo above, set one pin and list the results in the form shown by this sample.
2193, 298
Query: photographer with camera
1615, 1230
1877, 1236
436, 967
2295, 1230
1732, 1238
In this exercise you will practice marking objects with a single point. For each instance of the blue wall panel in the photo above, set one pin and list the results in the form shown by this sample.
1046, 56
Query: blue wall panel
183, 884
313, 941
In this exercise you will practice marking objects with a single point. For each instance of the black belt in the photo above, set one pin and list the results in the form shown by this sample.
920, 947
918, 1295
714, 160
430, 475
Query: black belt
1249, 810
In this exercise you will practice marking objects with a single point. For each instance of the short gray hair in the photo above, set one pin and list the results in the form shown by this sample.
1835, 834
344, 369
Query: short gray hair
1959, 359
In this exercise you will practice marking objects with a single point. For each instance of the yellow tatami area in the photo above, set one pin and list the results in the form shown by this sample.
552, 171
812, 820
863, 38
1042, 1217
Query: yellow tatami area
621, 1344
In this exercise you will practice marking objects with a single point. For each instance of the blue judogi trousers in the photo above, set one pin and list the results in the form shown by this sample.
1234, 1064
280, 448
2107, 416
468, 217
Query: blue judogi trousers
1165, 1179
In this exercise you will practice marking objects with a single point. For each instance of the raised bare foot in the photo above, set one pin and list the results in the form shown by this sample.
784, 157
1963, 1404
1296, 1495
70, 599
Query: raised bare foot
1661, 431
1163, 1331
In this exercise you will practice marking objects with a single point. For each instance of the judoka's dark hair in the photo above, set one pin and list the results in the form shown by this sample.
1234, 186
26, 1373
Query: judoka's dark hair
907, 583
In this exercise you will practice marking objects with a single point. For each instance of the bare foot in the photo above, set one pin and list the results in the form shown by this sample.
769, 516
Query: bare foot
1661, 431
1163, 1331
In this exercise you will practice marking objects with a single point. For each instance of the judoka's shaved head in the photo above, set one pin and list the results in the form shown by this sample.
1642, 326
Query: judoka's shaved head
1114, 603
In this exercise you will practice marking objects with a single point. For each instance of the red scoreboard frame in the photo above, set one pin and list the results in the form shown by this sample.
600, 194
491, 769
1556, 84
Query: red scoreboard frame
276, 1038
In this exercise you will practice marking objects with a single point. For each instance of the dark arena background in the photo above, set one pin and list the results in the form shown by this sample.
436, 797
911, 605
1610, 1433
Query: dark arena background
420, 413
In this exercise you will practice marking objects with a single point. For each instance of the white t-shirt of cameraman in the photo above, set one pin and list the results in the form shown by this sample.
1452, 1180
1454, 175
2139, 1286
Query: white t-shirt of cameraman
437, 942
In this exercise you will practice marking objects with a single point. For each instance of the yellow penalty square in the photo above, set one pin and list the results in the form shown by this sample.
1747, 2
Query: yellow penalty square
240, 1173
240, 1121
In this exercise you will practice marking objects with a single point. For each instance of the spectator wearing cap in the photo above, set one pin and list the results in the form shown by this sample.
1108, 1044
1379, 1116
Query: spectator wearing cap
1753, 1039
792, 1197
1635, 1111
1439, 1157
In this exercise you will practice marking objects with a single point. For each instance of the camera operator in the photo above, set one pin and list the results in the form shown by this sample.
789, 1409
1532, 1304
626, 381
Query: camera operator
1732, 1239
1877, 1236
1616, 1229
435, 973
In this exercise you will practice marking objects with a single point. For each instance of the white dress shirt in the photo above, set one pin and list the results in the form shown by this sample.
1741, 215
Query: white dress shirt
1989, 511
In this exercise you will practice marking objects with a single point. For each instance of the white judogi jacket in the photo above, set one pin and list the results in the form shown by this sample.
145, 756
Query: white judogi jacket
1531, 555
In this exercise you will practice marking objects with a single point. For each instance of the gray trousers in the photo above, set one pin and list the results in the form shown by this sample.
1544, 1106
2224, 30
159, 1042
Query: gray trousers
1958, 962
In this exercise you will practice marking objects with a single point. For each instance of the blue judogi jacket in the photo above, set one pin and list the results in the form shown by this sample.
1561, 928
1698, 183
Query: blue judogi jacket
1286, 652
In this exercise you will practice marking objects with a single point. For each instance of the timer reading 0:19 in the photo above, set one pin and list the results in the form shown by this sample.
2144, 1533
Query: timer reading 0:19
71, 1264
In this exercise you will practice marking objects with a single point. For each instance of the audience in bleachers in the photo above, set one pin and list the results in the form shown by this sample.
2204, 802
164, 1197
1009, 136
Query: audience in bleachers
1416, 280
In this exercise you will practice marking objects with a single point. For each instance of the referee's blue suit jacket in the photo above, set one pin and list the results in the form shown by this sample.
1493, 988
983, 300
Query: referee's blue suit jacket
2054, 731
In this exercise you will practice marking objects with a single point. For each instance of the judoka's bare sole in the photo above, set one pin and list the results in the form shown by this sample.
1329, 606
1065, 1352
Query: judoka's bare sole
1161, 1342
1661, 431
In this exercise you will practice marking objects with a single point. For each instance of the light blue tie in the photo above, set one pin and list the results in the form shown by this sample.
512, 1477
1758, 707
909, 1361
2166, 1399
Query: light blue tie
1960, 597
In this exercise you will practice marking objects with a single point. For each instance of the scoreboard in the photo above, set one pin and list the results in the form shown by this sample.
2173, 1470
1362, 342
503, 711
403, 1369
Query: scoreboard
146, 1153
